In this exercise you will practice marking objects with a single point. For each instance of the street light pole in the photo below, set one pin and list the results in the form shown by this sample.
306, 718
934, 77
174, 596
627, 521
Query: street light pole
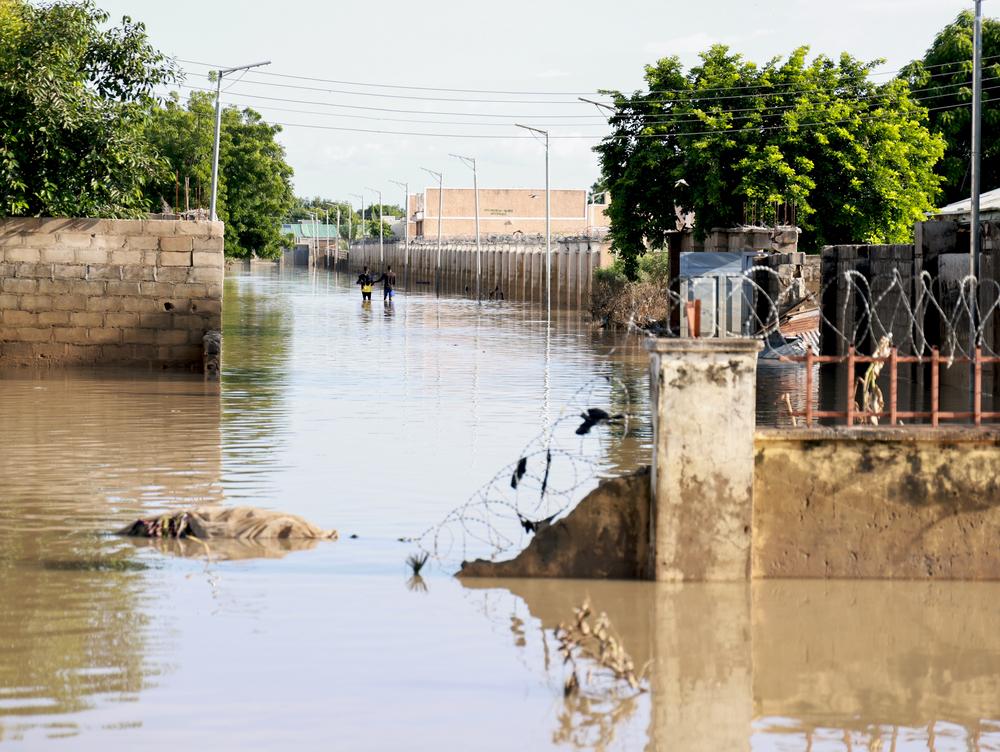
471, 162
548, 223
381, 252
361, 235
406, 226
219, 75
440, 179
977, 137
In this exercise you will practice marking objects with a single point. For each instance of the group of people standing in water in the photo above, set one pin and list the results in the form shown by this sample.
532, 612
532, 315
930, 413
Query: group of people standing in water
367, 282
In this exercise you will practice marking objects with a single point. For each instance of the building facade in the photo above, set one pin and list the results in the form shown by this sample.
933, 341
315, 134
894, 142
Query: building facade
505, 212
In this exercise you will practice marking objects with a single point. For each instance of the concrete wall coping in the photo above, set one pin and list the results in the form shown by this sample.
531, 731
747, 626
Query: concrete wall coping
703, 345
949, 434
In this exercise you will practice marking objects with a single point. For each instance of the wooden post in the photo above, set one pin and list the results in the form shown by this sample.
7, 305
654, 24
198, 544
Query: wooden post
809, 386
693, 310
977, 403
893, 385
850, 386
935, 385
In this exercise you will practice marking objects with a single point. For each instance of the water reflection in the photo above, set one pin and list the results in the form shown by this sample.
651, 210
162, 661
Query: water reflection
84, 451
380, 424
794, 665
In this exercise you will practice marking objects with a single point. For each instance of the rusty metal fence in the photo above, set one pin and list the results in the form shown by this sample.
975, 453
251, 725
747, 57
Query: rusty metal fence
872, 332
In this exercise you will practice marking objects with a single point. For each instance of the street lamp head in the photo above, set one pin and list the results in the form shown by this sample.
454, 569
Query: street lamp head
227, 71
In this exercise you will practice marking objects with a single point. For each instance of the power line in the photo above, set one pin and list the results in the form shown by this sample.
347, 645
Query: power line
497, 136
396, 110
373, 85
652, 120
659, 119
770, 91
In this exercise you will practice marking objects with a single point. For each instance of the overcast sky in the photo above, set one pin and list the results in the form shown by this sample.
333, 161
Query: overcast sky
554, 46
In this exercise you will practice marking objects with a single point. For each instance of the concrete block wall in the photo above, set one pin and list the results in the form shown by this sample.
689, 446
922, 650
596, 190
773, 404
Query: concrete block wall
96, 291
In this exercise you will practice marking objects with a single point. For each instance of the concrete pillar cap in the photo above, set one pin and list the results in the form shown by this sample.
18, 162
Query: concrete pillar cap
703, 345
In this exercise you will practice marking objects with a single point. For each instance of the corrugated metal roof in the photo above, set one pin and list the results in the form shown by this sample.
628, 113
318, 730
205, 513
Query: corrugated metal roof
307, 230
988, 202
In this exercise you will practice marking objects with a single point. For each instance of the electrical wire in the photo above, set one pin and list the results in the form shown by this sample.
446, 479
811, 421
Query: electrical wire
342, 82
396, 110
683, 134
771, 91
603, 122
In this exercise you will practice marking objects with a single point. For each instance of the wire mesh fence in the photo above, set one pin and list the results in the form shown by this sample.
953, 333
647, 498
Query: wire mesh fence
545, 479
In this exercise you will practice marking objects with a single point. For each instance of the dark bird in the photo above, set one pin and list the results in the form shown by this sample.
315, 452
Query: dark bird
519, 471
595, 416
535, 526
548, 466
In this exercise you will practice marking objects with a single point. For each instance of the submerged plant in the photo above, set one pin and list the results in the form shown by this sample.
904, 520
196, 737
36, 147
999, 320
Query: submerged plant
583, 640
416, 562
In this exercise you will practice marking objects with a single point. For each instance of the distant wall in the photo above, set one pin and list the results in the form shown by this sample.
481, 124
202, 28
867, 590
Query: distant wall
93, 291
517, 267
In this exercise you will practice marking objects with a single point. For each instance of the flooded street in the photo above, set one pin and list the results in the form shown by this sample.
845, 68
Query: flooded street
379, 422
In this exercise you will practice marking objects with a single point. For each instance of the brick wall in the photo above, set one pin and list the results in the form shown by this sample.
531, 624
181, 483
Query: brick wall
94, 291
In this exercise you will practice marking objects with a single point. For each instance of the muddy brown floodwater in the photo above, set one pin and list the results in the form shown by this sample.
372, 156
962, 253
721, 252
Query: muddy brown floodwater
379, 422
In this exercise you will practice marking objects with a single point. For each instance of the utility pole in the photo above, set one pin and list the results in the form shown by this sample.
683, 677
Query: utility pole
219, 75
381, 229
326, 228
406, 227
361, 235
470, 162
350, 228
548, 223
440, 179
977, 136
974, 230
336, 252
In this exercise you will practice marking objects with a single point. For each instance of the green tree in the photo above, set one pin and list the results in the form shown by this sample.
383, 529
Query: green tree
258, 185
75, 97
254, 192
942, 81
854, 158
372, 227
185, 136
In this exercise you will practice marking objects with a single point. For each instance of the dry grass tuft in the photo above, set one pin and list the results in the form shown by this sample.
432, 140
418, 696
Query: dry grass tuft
416, 562
595, 641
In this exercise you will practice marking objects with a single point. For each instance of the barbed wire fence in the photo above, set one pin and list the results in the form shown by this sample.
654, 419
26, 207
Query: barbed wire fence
547, 477
917, 316
852, 309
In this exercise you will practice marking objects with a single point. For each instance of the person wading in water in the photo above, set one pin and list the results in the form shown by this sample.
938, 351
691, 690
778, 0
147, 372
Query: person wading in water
388, 280
365, 280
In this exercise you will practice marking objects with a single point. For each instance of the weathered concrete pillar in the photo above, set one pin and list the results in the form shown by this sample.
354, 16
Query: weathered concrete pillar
703, 392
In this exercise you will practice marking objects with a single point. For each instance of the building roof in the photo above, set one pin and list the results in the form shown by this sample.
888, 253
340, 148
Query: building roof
309, 230
988, 202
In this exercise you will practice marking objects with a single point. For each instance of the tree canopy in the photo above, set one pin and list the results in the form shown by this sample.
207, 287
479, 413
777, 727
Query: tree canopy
853, 157
75, 97
255, 192
942, 81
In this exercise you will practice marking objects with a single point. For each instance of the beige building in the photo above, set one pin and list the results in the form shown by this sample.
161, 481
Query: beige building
505, 212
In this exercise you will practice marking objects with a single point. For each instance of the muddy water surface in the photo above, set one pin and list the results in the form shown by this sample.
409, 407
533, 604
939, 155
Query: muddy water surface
379, 422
